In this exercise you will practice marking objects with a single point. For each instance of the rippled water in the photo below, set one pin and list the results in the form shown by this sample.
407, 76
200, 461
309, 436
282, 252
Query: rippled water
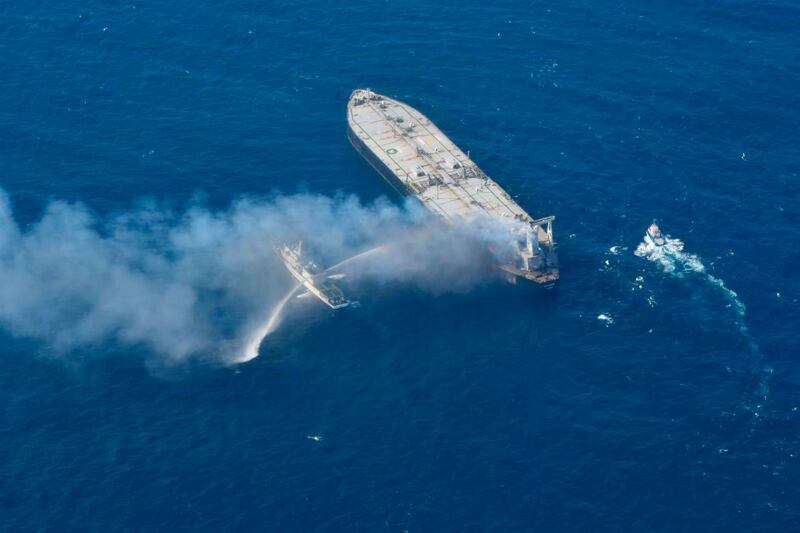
496, 408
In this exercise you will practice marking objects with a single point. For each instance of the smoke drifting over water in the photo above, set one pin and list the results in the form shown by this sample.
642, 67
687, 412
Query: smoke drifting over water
199, 284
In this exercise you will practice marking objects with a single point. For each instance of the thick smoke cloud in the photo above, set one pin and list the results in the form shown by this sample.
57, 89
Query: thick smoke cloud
195, 284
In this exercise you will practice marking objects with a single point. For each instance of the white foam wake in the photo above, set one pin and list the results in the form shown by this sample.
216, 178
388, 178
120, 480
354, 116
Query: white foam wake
670, 256
673, 260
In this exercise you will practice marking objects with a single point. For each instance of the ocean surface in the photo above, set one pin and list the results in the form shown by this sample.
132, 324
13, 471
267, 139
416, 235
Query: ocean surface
652, 391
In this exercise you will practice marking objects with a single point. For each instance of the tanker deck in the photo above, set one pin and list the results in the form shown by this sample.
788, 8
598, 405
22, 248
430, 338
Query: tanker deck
416, 158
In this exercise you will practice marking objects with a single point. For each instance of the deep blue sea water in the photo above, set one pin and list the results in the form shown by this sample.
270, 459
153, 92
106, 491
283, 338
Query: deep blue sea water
494, 409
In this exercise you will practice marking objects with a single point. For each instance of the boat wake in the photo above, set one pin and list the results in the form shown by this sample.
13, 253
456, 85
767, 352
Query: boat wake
673, 260
668, 252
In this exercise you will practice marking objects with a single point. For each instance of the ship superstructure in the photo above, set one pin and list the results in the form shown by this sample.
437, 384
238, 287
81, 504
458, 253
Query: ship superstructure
416, 158
311, 276
653, 235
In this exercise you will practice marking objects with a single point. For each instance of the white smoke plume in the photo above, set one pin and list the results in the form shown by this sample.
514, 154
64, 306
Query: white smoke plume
195, 284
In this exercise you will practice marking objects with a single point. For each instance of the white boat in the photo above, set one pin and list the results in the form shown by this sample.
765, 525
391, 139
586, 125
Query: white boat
653, 235
308, 274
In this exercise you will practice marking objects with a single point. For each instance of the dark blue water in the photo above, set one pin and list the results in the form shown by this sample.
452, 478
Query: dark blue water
494, 409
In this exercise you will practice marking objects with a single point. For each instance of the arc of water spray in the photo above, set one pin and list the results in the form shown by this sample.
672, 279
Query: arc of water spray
250, 350
358, 256
254, 341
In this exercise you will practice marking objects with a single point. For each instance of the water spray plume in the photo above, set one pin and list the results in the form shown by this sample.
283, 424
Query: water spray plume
254, 342
362, 255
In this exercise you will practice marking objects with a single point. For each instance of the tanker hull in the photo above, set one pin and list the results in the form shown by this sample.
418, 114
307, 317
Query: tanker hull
417, 159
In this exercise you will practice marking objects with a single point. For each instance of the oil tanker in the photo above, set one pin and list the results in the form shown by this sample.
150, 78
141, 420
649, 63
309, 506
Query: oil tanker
417, 159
